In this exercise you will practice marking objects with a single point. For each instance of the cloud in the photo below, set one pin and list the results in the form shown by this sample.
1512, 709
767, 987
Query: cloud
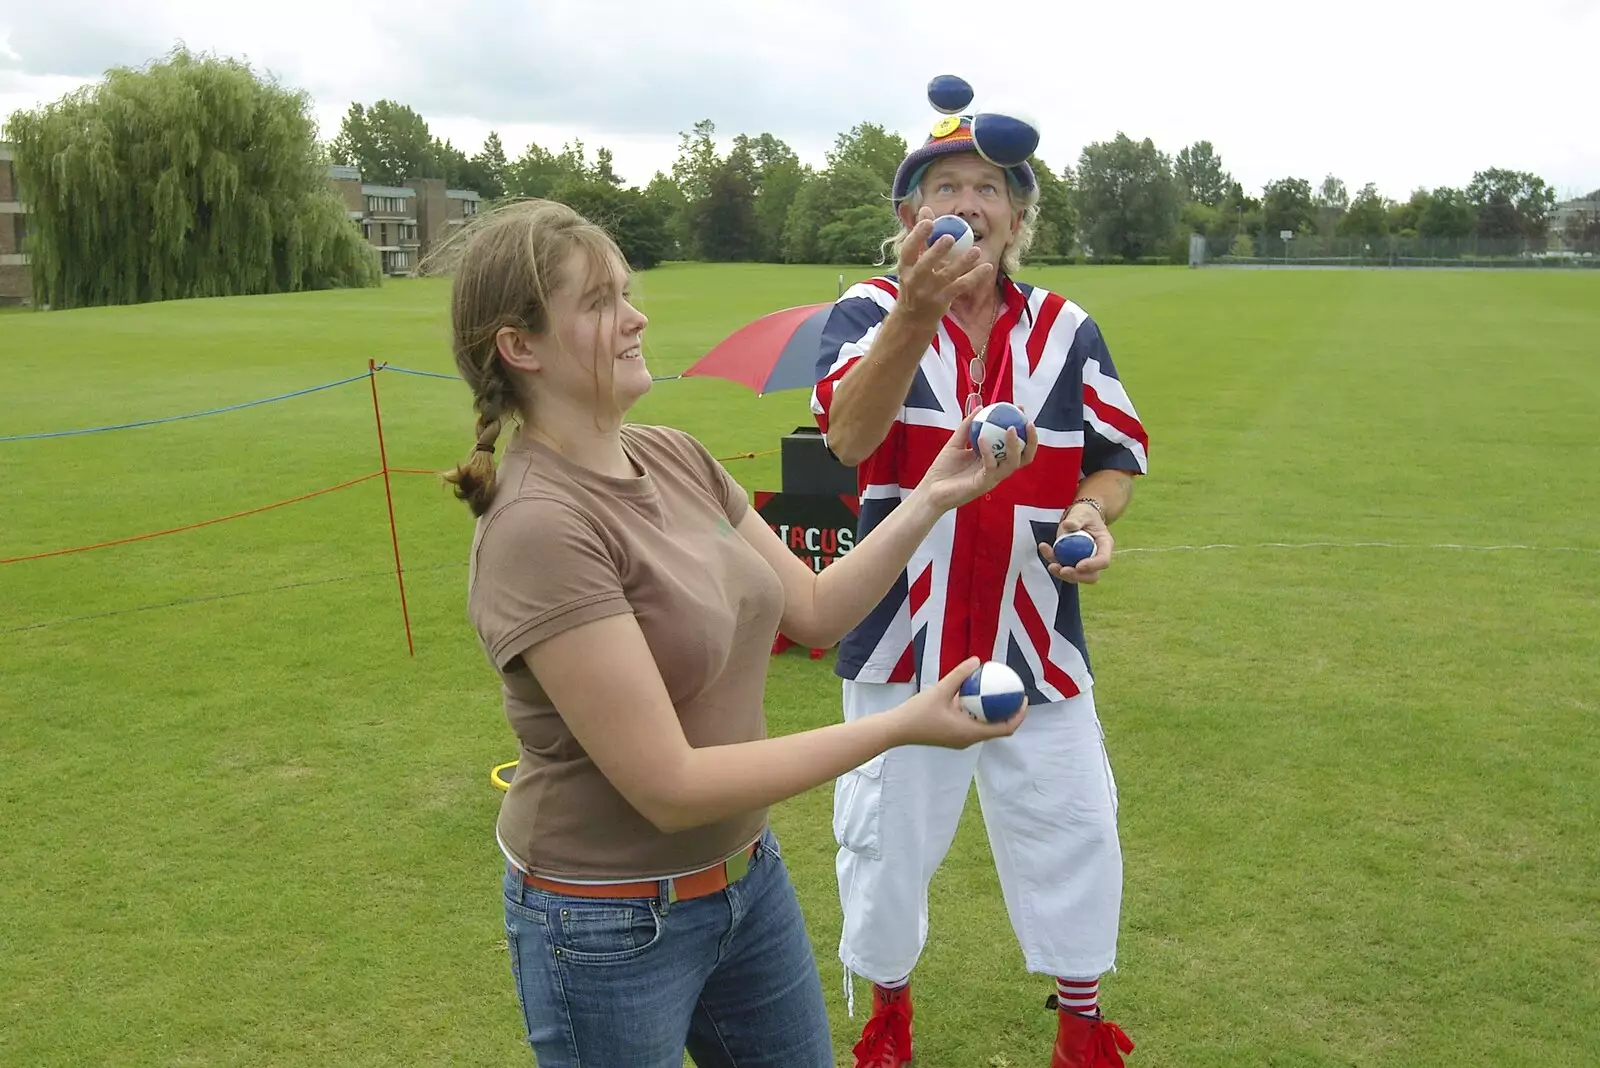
1401, 93
642, 71
77, 39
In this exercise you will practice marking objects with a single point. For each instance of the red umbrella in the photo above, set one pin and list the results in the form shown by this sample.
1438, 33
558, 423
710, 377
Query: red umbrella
777, 351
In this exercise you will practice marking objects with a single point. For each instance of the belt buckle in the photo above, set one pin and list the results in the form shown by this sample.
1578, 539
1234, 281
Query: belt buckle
738, 866
733, 869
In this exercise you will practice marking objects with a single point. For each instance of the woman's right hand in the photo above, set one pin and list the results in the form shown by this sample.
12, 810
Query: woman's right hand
934, 716
959, 473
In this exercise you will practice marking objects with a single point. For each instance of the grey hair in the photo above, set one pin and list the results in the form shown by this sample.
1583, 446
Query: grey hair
1017, 251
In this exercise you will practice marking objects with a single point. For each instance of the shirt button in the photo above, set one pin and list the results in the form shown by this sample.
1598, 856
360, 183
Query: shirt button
988, 496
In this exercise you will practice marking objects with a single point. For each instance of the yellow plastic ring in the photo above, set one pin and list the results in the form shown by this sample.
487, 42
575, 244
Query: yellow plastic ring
501, 774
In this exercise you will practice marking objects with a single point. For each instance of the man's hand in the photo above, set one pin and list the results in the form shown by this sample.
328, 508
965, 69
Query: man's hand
1087, 518
1102, 497
931, 278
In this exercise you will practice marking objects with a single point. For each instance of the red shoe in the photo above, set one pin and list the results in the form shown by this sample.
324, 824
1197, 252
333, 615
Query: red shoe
886, 1040
1087, 1041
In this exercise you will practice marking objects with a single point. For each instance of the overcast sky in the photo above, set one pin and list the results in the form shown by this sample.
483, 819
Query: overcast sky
1403, 93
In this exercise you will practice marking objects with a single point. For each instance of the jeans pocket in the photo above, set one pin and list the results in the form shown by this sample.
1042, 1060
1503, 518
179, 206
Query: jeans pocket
857, 805
601, 931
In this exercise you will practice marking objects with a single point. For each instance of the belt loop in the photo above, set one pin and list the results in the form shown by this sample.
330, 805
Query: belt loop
516, 876
664, 895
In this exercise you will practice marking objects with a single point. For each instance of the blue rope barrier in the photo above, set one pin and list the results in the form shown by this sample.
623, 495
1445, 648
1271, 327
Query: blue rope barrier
188, 415
246, 404
453, 378
420, 374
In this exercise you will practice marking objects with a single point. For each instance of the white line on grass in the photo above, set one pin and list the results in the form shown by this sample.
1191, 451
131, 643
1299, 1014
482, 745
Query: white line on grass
1358, 545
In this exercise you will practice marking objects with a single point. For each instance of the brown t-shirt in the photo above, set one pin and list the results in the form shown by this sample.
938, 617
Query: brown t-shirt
562, 546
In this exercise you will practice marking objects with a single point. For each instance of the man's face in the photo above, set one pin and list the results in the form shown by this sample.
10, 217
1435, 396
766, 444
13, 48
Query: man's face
965, 185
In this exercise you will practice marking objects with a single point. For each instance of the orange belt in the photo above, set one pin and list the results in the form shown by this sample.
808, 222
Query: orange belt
695, 884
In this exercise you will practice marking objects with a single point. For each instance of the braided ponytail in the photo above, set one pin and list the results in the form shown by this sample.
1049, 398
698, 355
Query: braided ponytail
506, 262
474, 480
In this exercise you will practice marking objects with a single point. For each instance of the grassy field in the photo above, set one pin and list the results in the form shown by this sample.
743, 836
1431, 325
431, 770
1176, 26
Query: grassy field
1358, 777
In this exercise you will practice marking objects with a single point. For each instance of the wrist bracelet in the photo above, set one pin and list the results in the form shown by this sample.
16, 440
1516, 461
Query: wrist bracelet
1091, 502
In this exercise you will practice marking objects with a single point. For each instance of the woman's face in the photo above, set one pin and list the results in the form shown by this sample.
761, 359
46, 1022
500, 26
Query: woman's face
591, 354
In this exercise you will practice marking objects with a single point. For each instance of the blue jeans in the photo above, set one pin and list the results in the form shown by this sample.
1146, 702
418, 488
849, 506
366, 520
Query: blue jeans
634, 983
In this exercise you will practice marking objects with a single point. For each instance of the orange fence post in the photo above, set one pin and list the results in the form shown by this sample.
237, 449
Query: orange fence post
394, 534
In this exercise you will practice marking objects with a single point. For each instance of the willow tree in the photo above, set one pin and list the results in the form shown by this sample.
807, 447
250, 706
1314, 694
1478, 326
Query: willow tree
191, 177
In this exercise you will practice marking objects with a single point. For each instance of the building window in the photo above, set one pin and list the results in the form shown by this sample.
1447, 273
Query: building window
383, 233
20, 229
386, 205
366, 230
469, 207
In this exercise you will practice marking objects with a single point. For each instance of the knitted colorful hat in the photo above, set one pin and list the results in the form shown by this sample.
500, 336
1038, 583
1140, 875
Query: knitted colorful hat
1003, 140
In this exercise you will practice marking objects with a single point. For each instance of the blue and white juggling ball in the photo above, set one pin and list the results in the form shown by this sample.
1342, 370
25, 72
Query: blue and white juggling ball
949, 94
989, 426
1072, 548
993, 693
1004, 139
956, 227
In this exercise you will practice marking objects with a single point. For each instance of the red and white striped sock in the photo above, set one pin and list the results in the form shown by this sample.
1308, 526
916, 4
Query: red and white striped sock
1081, 996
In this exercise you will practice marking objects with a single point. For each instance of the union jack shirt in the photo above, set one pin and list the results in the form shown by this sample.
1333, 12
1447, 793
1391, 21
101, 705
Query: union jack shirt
977, 585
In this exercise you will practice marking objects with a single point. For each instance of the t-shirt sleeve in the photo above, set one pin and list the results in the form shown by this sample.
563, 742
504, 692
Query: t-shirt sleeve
703, 467
722, 485
1113, 436
735, 502
852, 326
541, 568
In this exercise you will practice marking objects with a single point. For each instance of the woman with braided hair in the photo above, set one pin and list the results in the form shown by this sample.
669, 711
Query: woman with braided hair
628, 596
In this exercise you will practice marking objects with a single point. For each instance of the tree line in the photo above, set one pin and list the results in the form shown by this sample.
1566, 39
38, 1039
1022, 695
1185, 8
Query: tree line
755, 202
191, 177
1122, 200
195, 176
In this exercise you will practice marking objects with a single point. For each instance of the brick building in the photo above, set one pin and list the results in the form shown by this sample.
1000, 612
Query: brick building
401, 222
1580, 212
16, 283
